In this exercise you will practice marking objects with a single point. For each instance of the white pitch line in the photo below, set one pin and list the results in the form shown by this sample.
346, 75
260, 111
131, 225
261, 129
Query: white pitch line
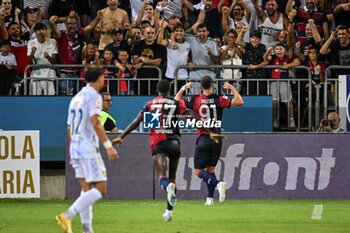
317, 213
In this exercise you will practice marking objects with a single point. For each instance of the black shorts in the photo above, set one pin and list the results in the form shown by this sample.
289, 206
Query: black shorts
207, 152
171, 148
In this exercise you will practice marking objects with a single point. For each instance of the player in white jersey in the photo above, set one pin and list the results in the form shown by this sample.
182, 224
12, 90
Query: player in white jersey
85, 131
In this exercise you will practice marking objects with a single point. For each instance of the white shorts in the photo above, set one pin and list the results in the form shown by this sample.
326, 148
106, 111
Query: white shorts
284, 91
41, 88
92, 170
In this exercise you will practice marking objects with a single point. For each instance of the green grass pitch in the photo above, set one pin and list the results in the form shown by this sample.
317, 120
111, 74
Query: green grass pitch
253, 216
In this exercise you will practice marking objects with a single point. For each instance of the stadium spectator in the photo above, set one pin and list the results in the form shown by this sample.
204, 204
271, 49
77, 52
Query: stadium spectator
31, 16
317, 70
36, 4
62, 9
136, 6
270, 22
125, 72
70, 44
212, 17
338, 45
241, 14
111, 17
253, 54
172, 21
84, 132
3, 30
144, 24
231, 55
108, 122
204, 51
148, 52
209, 107
136, 30
165, 141
110, 72
119, 40
146, 13
89, 56
331, 124
174, 8
304, 13
7, 67
9, 12
341, 12
42, 51
19, 48
177, 51
313, 40
280, 90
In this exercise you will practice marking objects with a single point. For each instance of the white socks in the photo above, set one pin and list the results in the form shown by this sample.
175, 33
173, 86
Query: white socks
83, 202
86, 215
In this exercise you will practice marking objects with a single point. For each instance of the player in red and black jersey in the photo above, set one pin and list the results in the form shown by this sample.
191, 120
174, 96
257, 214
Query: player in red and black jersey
208, 107
164, 139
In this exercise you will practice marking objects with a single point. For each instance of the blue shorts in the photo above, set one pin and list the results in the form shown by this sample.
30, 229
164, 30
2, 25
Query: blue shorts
207, 152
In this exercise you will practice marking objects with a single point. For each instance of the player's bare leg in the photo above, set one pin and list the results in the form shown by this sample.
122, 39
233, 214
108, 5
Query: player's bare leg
161, 166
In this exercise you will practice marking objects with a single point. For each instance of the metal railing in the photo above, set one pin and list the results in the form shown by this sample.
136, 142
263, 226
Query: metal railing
259, 81
77, 81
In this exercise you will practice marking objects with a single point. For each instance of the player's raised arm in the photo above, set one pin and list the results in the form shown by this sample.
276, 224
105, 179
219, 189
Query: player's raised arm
133, 125
182, 90
111, 152
237, 99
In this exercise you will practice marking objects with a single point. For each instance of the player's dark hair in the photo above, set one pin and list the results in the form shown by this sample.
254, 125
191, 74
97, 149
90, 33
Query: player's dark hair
93, 72
206, 82
163, 86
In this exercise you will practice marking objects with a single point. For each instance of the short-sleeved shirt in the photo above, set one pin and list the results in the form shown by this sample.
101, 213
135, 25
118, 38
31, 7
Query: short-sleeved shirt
107, 121
177, 57
84, 140
169, 110
19, 49
340, 55
151, 51
208, 107
280, 73
49, 46
200, 55
10, 59
69, 49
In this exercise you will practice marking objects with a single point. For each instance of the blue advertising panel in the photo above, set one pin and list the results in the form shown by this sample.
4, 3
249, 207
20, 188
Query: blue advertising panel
49, 116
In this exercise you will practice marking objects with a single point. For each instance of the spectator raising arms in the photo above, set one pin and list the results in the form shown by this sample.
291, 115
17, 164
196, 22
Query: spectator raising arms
70, 45
111, 17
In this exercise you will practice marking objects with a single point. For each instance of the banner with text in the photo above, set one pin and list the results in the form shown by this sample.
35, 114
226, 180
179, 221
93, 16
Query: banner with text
344, 101
19, 164
287, 166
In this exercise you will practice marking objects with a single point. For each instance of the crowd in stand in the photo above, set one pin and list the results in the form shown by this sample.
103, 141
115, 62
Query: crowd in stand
133, 35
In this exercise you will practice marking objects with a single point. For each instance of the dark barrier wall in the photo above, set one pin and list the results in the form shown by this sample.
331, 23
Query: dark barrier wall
49, 115
295, 166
